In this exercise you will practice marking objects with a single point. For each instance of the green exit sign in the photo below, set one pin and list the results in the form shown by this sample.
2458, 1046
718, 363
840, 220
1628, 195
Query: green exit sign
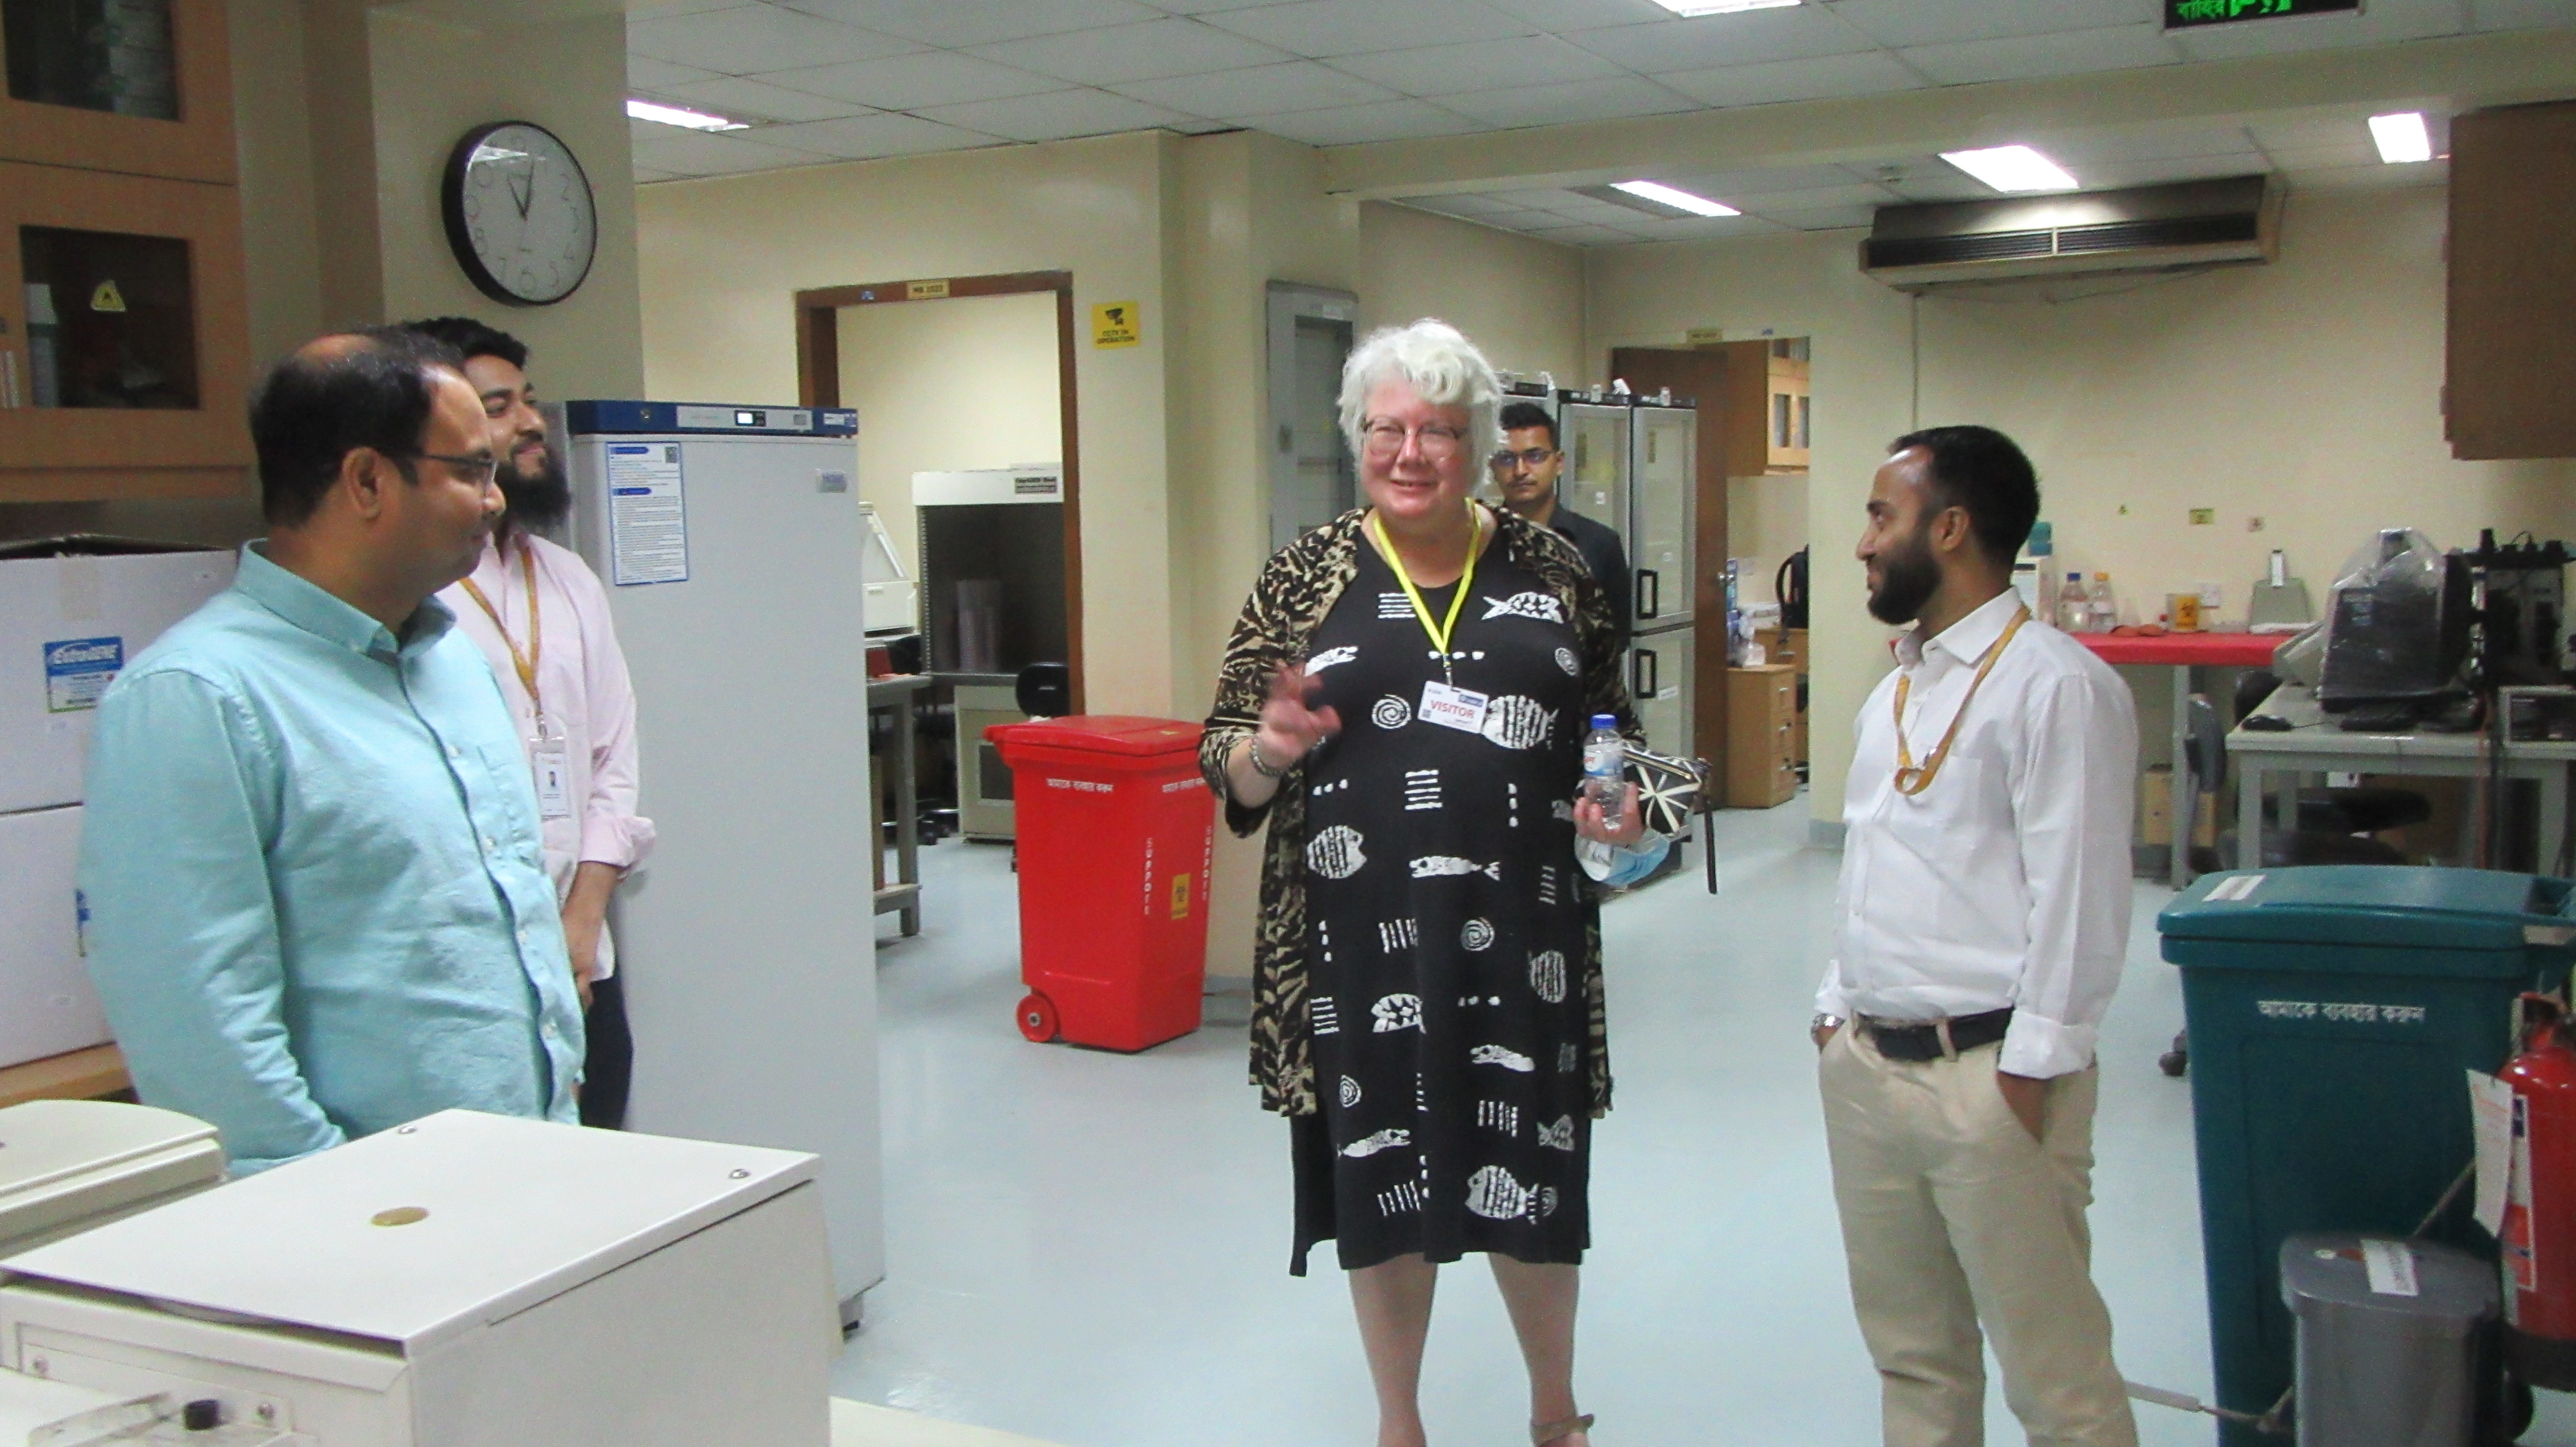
2191, 14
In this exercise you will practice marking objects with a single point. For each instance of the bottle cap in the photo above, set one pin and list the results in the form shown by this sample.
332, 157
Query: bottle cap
1605, 721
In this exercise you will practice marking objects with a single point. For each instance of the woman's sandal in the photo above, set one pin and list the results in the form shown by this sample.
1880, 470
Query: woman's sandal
1546, 1434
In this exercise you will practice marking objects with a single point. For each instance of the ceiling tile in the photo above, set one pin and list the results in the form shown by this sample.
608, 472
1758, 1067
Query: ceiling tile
1263, 90
1821, 198
2145, 143
2109, 175
1591, 236
2296, 160
684, 153
1934, 22
962, 22
646, 130
1595, 210
643, 72
677, 7
1871, 72
2373, 177
1324, 28
752, 100
2068, 52
644, 177
930, 78
1725, 185
2521, 14
1582, 100
1748, 38
1156, 48
1829, 218
749, 38
1438, 70
2380, 22
1394, 120
1465, 203
1560, 17
1924, 179
1208, 7
1056, 116
1532, 199
862, 138
2297, 129
1702, 228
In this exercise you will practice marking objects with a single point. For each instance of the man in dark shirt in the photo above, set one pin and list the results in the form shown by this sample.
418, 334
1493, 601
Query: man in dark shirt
1526, 471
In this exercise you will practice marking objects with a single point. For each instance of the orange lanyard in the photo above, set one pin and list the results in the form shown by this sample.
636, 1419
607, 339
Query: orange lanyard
1910, 780
526, 662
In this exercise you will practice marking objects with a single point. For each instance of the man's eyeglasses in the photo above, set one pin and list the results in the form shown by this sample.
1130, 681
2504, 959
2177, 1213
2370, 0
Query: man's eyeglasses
1532, 458
1385, 438
479, 468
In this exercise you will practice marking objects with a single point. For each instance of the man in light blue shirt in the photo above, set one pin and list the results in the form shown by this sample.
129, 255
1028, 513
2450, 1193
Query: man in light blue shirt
311, 857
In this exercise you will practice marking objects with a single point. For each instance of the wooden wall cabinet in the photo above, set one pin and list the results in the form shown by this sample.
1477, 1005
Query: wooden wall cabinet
2512, 340
1766, 408
124, 312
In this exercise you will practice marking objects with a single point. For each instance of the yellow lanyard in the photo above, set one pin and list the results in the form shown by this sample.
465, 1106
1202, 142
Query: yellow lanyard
1448, 627
526, 662
1910, 780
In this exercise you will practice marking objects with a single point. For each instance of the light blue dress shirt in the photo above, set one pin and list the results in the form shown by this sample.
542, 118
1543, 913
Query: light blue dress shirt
317, 907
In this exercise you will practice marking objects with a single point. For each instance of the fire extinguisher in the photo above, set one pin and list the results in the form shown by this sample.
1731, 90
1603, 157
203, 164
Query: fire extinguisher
2539, 1230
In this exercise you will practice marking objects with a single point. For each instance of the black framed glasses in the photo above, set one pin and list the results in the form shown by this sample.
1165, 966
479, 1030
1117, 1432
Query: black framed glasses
1529, 457
479, 468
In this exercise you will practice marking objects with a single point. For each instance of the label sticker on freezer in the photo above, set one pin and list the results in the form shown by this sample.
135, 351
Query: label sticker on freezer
648, 514
78, 670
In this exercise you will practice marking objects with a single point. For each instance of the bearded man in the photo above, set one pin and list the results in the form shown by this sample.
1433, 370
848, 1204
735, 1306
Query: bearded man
541, 618
1982, 922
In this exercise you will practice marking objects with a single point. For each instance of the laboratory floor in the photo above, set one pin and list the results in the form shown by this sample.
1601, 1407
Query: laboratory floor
1091, 1249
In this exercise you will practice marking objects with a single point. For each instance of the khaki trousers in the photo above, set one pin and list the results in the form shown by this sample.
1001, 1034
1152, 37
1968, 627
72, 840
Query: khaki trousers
1953, 1217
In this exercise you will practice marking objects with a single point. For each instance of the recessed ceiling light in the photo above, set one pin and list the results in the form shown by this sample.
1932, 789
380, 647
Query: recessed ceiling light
2012, 168
645, 110
1722, 7
1679, 200
2402, 137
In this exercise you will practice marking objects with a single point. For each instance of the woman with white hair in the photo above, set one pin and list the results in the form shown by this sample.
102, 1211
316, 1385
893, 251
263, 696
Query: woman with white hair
1404, 700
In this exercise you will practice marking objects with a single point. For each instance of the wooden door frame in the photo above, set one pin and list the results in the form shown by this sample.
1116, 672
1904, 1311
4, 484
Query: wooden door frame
818, 384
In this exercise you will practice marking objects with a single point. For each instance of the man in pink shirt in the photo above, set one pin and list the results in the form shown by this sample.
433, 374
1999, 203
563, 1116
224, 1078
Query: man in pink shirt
540, 615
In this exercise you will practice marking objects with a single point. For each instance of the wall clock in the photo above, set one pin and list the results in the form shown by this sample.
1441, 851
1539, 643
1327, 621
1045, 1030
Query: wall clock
519, 213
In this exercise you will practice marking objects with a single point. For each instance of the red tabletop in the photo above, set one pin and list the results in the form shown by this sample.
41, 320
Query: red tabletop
2185, 650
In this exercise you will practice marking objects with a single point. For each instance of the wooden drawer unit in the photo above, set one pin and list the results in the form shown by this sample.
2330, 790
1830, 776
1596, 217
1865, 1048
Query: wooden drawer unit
1761, 736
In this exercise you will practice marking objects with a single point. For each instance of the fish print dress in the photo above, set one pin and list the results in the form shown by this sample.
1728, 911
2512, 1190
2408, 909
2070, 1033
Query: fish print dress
1446, 932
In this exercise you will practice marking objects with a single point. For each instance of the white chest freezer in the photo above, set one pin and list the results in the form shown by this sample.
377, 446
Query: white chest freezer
464, 1281
69, 1165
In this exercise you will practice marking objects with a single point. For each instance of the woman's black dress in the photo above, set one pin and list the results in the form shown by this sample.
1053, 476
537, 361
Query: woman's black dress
1446, 926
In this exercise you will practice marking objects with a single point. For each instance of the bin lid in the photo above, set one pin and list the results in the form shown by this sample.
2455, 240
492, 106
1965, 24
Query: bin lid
2334, 1270
2376, 905
1116, 734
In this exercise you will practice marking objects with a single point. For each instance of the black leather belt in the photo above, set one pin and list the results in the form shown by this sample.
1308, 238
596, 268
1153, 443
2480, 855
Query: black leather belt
1901, 1040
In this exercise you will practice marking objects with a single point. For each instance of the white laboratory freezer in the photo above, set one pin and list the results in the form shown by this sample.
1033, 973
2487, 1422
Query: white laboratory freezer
467, 1280
731, 541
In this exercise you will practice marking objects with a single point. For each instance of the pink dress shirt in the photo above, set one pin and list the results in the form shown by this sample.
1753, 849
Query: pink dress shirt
581, 678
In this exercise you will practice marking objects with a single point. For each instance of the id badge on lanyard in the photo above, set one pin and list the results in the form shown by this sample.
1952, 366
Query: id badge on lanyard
550, 755
1452, 707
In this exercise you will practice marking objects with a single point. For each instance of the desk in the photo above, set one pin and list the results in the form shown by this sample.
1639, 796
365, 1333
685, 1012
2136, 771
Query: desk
2183, 652
79, 1075
903, 895
2324, 748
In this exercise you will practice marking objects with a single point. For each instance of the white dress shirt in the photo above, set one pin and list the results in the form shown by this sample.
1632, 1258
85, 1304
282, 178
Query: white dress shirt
581, 674
2007, 881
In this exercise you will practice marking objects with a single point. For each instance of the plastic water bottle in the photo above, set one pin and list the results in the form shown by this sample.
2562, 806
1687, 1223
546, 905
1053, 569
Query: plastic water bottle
2102, 609
2074, 610
1605, 760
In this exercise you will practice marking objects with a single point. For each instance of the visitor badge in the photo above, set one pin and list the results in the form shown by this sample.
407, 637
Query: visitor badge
1452, 707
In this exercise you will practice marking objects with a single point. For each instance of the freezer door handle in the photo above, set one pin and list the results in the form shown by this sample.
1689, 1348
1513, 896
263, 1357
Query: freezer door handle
1650, 593
1647, 678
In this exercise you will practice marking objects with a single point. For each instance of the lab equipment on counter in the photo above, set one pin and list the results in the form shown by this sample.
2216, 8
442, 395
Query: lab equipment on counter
894, 605
992, 570
67, 1166
2279, 601
464, 1281
2524, 609
2397, 629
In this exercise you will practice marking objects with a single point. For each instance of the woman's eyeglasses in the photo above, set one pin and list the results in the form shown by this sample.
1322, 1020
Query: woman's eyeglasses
1438, 441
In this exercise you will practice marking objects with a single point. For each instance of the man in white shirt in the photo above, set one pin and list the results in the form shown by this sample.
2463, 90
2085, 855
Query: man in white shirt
541, 618
1982, 921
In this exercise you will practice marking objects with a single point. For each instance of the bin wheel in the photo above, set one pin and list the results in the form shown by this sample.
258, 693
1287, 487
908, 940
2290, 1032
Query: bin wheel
2177, 1060
2519, 1407
1037, 1018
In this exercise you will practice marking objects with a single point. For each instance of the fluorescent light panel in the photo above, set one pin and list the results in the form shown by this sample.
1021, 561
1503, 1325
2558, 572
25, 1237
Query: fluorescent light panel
1678, 199
1722, 7
2402, 137
645, 110
2012, 168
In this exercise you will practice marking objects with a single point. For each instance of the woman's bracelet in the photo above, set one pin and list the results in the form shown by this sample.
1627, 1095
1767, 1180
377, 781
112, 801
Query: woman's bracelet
1261, 765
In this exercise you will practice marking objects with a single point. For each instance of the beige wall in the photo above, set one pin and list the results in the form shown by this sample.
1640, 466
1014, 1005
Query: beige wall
1518, 298
943, 386
2305, 392
721, 261
1766, 521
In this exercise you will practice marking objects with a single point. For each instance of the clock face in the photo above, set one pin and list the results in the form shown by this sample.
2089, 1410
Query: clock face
519, 213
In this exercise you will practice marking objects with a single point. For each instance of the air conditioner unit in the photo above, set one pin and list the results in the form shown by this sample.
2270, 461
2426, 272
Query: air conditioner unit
2146, 228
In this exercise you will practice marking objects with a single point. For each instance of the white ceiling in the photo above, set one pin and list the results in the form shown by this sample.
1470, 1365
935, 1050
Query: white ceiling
835, 80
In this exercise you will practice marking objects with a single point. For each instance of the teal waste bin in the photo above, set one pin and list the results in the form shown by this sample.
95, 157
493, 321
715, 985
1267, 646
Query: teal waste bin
2332, 1012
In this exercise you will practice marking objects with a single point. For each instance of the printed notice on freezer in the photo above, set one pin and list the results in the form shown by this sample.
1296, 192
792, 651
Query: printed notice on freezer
648, 514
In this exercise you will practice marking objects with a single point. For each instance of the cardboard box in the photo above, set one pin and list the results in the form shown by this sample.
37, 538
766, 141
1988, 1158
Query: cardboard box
73, 612
46, 1004
2155, 811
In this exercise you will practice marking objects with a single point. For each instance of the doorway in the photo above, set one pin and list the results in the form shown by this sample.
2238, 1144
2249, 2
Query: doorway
1313, 479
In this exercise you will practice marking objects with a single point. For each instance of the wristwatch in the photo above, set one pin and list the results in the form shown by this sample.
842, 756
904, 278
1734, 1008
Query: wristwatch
1824, 1022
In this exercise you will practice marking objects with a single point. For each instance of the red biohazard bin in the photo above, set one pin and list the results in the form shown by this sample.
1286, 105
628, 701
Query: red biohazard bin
1116, 830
